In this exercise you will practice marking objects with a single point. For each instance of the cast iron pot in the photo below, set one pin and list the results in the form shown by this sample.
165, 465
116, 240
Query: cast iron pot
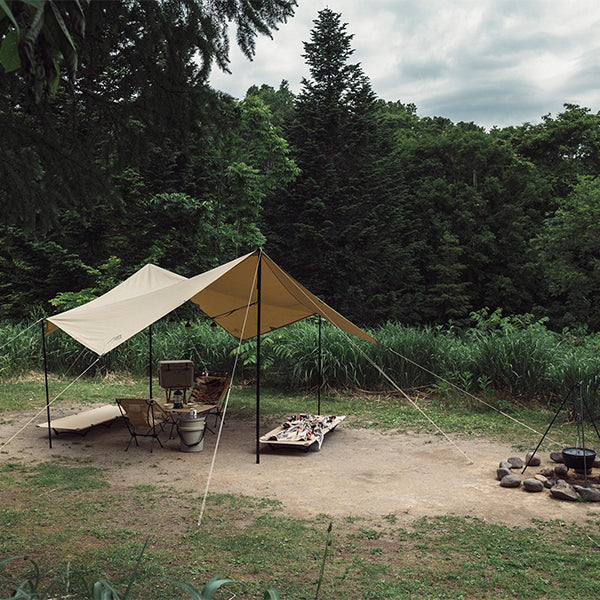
579, 458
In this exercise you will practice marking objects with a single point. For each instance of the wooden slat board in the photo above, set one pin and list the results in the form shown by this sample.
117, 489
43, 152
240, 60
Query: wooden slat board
298, 443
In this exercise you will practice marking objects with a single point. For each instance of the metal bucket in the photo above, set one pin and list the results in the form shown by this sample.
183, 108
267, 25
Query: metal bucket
191, 433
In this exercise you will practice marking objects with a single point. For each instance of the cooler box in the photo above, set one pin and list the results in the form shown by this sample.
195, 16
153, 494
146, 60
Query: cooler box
175, 374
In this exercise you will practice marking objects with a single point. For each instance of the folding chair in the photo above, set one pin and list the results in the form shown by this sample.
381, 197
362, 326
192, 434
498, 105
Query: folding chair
144, 418
209, 392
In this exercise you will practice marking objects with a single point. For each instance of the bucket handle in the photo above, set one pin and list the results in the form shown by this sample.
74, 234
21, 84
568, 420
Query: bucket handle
195, 443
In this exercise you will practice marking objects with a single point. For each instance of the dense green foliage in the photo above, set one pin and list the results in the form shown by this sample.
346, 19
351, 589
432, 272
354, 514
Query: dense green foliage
329, 217
518, 359
138, 158
385, 215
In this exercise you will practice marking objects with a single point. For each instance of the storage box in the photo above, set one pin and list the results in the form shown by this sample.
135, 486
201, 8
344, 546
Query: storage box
175, 374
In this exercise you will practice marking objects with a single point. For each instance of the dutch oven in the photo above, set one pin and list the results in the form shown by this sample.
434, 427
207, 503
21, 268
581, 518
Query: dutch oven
579, 459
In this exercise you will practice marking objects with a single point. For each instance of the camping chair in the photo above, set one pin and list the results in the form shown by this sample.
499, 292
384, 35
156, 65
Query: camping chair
209, 391
144, 418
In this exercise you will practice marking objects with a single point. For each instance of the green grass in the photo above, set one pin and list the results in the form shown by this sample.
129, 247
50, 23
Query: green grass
515, 357
99, 534
453, 412
29, 391
63, 514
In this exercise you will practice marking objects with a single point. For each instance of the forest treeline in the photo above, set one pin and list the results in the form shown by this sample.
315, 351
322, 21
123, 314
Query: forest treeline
386, 215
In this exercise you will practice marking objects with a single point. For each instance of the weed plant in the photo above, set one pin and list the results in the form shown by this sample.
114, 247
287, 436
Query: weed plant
516, 358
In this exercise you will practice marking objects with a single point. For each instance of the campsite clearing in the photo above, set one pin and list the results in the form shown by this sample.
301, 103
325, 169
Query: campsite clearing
406, 510
358, 472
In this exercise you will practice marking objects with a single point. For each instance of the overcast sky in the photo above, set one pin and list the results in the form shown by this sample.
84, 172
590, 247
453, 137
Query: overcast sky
494, 62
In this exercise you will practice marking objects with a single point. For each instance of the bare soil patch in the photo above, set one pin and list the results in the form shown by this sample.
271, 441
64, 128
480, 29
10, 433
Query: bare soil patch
358, 472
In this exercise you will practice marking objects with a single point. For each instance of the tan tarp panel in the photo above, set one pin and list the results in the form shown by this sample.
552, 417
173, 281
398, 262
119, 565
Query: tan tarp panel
228, 294
283, 300
114, 317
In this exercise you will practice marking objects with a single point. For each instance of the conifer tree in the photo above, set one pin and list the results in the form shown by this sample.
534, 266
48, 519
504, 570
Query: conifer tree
322, 225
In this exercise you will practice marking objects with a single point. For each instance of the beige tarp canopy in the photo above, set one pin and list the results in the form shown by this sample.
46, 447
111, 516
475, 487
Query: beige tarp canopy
228, 294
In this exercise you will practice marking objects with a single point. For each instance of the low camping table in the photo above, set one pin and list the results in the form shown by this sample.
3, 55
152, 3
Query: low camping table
82, 422
200, 408
285, 435
175, 413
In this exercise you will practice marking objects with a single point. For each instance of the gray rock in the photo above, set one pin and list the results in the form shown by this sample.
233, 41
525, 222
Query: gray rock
588, 494
502, 472
547, 472
511, 481
504, 464
515, 462
556, 457
561, 471
563, 491
533, 460
541, 478
533, 485
550, 483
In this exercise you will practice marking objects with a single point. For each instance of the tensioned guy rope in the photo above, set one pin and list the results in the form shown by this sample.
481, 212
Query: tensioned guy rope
237, 355
37, 414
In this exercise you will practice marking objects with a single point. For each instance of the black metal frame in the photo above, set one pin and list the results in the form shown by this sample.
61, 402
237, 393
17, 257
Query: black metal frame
582, 403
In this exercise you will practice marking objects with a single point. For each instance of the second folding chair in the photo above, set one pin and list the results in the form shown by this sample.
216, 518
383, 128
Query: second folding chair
144, 418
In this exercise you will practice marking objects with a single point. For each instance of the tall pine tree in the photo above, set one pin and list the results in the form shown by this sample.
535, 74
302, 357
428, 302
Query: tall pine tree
326, 223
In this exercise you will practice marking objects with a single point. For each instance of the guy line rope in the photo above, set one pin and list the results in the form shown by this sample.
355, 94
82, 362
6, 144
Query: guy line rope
39, 412
237, 355
382, 372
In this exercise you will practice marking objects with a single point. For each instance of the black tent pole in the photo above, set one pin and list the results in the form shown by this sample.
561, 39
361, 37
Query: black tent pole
320, 370
150, 358
585, 467
258, 311
46, 380
548, 429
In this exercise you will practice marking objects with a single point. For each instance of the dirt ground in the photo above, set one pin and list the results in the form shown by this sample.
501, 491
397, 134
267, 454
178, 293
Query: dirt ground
357, 472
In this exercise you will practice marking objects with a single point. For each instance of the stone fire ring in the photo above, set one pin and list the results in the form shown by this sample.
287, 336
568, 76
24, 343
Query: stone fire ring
562, 483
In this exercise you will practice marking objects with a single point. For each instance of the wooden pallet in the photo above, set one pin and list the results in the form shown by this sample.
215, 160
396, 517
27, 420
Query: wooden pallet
270, 438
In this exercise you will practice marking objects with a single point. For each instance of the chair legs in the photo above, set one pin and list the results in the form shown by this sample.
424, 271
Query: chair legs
157, 439
131, 437
134, 436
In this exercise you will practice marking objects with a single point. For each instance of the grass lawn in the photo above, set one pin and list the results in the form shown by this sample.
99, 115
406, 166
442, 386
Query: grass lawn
66, 518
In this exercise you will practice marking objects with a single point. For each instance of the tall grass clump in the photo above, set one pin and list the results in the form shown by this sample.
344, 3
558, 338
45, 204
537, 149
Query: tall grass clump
193, 340
343, 362
515, 357
410, 356
577, 366
290, 356
21, 350
515, 354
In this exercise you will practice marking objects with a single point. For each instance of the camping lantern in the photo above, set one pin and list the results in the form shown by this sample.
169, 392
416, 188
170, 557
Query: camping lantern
177, 399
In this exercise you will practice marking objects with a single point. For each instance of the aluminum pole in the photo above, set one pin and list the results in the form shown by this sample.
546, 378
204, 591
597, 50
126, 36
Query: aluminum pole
320, 369
46, 380
258, 325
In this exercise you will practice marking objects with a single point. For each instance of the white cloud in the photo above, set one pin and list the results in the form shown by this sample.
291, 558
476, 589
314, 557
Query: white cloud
495, 62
